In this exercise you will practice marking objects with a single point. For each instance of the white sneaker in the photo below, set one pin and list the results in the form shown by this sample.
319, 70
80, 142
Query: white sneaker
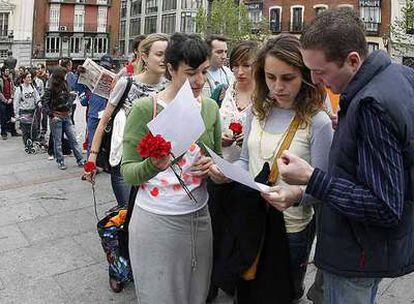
50, 157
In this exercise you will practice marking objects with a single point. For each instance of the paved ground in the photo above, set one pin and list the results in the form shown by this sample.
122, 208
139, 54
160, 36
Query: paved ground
49, 248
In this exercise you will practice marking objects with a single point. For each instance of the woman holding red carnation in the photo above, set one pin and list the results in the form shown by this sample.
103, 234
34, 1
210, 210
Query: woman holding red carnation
148, 79
170, 236
238, 99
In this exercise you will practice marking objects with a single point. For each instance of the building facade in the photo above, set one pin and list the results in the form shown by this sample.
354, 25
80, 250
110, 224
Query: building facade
156, 16
78, 29
401, 42
291, 15
16, 26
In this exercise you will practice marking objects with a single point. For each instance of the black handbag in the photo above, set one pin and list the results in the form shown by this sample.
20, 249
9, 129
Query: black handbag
102, 159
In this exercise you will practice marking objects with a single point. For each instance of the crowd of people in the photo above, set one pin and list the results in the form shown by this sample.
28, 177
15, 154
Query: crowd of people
347, 180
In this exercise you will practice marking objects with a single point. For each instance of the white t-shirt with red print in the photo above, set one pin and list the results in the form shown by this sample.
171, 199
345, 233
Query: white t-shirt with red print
164, 195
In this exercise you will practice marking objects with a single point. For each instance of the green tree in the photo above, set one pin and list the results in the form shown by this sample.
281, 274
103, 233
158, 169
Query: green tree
231, 20
401, 34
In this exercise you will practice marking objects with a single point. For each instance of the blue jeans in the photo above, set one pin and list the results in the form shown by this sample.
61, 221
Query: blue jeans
300, 245
342, 290
59, 125
120, 188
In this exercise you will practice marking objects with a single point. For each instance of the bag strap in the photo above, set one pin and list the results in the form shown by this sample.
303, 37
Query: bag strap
131, 202
123, 98
293, 127
154, 100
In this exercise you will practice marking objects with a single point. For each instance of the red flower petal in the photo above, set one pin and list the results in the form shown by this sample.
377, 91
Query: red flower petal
154, 192
153, 146
177, 188
182, 162
196, 180
89, 167
164, 182
236, 127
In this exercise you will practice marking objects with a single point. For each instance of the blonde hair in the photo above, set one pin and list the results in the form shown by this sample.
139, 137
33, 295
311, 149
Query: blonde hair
145, 47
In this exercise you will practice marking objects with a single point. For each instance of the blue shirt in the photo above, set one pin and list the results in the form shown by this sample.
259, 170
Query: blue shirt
379, 197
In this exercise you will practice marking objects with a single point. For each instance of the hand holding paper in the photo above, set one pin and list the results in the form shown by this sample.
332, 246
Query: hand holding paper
236, 173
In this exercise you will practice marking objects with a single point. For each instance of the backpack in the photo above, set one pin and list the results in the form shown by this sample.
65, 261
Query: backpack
102, 159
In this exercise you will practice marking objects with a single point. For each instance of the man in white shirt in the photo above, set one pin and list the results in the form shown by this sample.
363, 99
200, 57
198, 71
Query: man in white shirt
219, 77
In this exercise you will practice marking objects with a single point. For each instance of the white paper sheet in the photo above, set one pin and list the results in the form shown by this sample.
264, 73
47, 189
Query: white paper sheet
236, 173
180, 122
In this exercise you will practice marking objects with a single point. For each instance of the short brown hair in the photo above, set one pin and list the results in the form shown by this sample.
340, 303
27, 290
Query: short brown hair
336, 33
309, 101
211, 38
243, 52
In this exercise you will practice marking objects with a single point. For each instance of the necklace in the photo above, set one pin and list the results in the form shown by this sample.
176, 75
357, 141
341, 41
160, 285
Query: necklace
236, 99
272, 155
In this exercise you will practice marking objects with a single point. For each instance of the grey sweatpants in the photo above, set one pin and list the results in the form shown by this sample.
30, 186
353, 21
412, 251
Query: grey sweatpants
171, 256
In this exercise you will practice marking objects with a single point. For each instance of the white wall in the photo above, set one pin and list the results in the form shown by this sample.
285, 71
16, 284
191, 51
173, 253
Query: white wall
21, 22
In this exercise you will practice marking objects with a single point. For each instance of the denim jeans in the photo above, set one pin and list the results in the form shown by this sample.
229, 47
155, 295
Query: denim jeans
300, 245
120, 188
59, 125
343, 290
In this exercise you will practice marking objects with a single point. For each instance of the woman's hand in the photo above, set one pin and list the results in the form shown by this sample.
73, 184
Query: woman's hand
283, 197
239, 139
201, 167
163, 163
89, 176
216, 175
227, 140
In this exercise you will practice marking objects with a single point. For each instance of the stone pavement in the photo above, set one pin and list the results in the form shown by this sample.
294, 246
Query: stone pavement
49, 248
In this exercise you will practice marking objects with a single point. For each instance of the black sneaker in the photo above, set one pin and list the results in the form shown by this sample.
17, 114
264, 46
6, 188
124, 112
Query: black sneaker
15, 134
4, 137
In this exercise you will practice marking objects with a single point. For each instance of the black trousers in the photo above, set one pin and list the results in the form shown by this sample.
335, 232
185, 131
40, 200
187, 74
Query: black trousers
6, 113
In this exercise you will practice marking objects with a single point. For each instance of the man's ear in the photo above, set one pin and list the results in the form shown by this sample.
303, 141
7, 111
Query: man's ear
354, 60
170, 69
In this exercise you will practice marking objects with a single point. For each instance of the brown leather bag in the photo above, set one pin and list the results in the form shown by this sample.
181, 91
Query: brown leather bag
250, 273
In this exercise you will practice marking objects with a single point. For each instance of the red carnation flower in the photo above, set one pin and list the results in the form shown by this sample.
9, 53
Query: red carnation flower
130, 69
89, 167
236, 127
153, 146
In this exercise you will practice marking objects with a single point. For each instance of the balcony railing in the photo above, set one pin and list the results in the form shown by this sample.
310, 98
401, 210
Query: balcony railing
6, 35
86, 2
292, 27
71, 27
371, 28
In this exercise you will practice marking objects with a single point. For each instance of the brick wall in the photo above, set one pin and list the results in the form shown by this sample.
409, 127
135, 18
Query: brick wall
309, 11
114, 22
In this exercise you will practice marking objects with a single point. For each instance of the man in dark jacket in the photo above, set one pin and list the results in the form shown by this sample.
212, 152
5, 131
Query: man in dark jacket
10, 62
6, 104
366, 221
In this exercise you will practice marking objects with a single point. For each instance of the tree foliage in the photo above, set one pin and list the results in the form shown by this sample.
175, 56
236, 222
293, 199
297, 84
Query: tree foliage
402, 31
231, 20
